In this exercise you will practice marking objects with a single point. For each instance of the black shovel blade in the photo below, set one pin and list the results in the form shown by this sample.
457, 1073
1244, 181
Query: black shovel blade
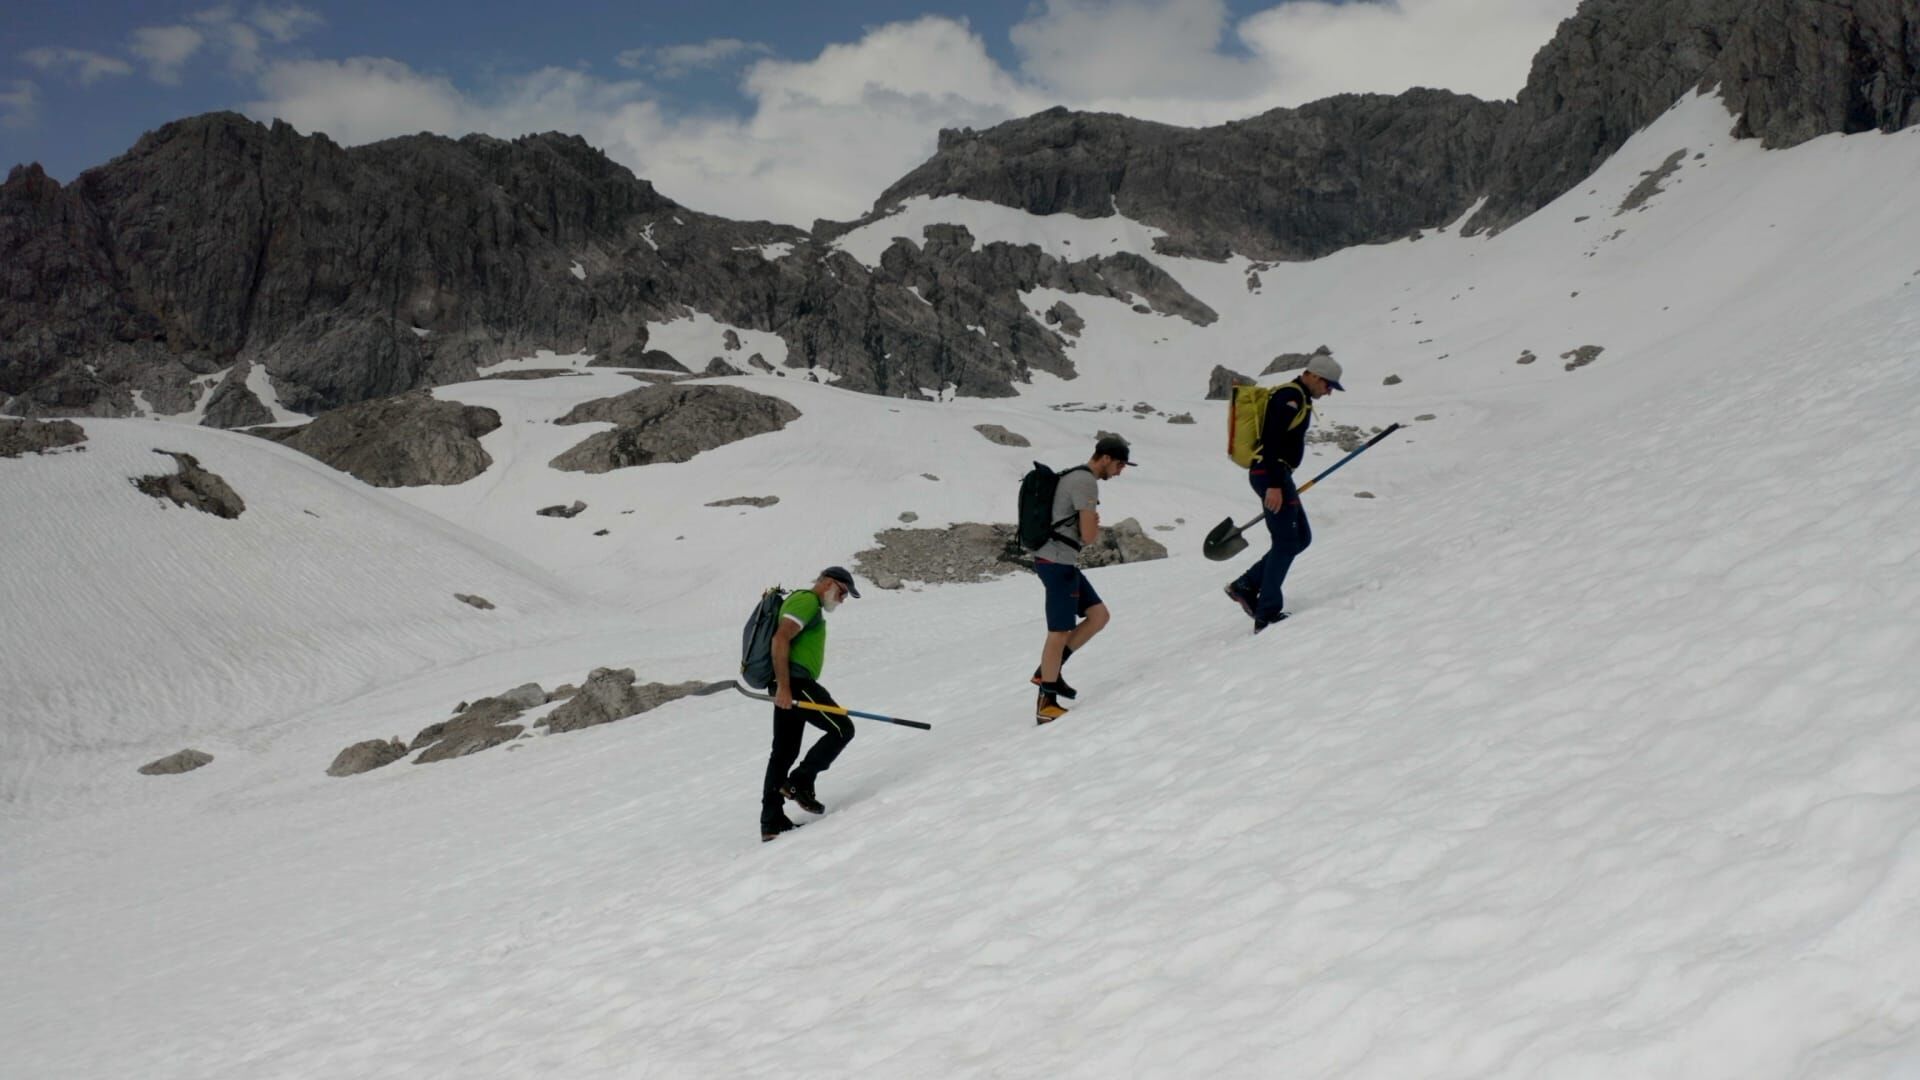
1224, 542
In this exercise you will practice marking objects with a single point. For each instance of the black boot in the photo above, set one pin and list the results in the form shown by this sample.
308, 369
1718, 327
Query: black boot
771, 827
801, 791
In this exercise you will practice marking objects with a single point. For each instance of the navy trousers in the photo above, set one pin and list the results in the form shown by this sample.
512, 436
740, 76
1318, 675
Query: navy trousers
1288, 529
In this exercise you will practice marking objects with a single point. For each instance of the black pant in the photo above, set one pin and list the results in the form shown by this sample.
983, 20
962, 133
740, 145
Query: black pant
788, 727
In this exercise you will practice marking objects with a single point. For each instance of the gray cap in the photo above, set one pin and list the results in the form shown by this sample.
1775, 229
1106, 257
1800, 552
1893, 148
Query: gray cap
1327, 368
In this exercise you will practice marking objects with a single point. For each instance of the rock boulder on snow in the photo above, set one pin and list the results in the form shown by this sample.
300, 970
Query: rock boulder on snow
409, 440
175, 763
19, 437
1122, 542
1001, 436
609, 694
972, 551
669, 423
193, 487
1220, 384
484, 724
367, 756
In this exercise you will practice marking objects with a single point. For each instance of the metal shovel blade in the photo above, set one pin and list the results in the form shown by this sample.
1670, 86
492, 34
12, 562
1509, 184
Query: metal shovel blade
1224, 542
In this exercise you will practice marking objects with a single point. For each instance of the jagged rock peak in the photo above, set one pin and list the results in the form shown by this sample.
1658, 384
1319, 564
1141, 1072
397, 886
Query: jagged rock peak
1375, 167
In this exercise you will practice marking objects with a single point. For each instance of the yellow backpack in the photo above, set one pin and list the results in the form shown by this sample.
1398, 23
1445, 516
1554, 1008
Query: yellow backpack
1246, 412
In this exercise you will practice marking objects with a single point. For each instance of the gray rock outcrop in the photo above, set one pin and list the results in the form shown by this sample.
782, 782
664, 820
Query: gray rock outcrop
1582, 356
967, 552
233, 404
480, 726
1062, 315
669, 423
367, 756
193, 487
404, 441
19, 437
480, 602
175, 763
1000, 436
609, 694
1788, 70
1221, 382
1122, 542
559, 511
757, 501
974, 551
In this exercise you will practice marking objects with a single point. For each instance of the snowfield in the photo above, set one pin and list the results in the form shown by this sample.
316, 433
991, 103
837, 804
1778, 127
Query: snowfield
1591, 750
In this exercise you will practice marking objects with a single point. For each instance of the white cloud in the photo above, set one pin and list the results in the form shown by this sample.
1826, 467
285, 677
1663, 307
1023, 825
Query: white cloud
166, 49
825, 136
360, 100
19, 104
1479, 47
285, 23
87, 67
1087, 50
678, 61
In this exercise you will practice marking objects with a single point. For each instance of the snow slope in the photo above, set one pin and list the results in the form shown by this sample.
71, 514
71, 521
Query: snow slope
1590, 752
134, 624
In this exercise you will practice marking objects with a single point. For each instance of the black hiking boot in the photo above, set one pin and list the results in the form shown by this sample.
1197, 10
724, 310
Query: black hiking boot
1058, 687
771, 827
1241, 598
801, 791
1261, 624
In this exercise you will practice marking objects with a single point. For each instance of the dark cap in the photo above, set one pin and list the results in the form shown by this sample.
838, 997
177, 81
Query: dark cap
1115, 447
840, 574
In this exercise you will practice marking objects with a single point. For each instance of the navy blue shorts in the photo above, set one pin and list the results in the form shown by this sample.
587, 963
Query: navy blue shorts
1069, 594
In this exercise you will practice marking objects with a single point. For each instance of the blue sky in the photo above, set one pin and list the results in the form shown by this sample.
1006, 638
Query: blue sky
748, 108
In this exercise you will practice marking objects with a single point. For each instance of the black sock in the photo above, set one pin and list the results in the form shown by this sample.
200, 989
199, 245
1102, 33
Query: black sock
1065, 652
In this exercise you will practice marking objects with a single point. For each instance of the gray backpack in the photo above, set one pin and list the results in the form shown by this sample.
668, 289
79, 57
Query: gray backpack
756, 640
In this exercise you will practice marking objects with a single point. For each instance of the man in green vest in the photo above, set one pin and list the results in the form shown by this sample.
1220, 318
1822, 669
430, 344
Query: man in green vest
1283, 443
799, 657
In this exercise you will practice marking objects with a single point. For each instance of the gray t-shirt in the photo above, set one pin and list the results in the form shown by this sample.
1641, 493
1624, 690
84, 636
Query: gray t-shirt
1077, 491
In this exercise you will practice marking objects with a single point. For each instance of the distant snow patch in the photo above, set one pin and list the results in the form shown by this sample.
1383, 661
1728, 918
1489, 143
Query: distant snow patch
1060, 235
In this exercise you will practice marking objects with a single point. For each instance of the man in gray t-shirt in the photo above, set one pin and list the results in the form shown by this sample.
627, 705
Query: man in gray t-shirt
1074, 611
1078, 490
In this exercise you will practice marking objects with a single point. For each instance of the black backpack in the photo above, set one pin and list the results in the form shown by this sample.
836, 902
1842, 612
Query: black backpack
756, 641
1037, 525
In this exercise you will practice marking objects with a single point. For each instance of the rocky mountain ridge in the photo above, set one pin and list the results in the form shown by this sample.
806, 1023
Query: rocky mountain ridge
1362, 168
219, 250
